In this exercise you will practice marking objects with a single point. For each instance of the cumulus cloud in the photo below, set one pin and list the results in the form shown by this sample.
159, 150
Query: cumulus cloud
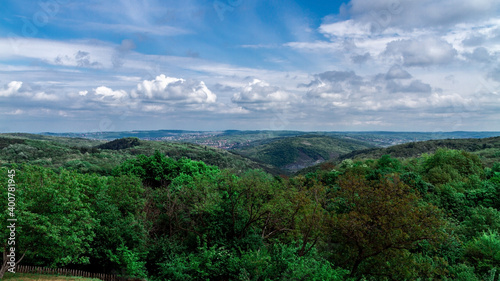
359, 59
349, 92
480, 54
397, 72
474, 40
495, 74
19, 89
448, 100
104, 92
259, 95
411, 15
411, 33
175, 90
333, 84
425, 51
11, 89
416, 86
79, 59
42, 96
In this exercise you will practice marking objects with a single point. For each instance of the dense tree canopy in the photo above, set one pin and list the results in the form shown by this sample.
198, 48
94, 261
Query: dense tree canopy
155, 217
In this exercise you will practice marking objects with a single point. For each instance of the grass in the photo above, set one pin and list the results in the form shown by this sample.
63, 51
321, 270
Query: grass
43, 277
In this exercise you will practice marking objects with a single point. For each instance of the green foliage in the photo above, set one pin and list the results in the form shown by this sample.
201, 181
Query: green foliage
480, 220
55, 220
487, 148
159, 170
280, 262
385, 165
484, 252
81, 155
380, 219
308, 267
462, 272
416, 182
446, 166
120, 236
294, 153
130, 261
119, 144
152, 213
5, 142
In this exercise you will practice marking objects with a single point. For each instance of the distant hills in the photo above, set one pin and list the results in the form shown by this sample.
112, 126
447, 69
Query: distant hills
233, 138
277, 152
99, 156
295, 153
488, 149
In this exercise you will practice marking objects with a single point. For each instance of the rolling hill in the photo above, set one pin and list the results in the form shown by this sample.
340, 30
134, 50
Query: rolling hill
295, 153
488, 149
99, 156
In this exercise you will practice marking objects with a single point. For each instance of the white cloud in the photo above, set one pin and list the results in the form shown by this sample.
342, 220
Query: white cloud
334, 85
349, 28
409, 14
397, 72
17, 89
259, 95
42, 96
153, 108
175, 90
104, 92
425, 51
11, 89
157, 30
82, 53
415, 86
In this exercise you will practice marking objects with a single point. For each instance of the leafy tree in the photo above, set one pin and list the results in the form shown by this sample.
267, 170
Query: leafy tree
480, 220
54, 218
446, 166
122, 143
377, 220
120, 236
385, 165
484, 251
159, 170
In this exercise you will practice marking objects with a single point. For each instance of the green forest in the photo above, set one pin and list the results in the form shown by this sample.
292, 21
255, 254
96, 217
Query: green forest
169, 211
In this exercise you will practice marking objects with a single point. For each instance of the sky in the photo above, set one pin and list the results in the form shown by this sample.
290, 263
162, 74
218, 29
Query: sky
359, 65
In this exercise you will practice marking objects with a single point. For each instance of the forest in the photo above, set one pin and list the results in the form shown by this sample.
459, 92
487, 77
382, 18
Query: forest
158, 215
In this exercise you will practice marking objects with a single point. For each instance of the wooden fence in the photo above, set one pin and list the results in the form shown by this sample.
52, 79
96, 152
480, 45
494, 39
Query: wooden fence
70, 272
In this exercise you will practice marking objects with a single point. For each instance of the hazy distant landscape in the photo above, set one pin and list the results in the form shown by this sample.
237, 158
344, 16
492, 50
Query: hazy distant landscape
229, 139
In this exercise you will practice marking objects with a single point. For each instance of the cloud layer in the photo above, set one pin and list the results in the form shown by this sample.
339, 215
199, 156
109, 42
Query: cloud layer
363, 65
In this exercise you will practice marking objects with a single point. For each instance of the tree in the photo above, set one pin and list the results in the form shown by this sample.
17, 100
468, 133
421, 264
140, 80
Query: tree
120, 236
446, 166
54, 219
379, 220
159, 170
484, 251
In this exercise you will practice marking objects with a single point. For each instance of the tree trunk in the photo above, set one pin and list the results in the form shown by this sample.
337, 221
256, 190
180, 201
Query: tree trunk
5, 267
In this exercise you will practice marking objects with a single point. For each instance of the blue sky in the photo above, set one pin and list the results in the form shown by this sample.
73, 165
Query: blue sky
392, 65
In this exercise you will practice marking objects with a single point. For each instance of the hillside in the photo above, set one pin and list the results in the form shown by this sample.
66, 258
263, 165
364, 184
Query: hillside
230, 139
488, 149
98, 156
295, 153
